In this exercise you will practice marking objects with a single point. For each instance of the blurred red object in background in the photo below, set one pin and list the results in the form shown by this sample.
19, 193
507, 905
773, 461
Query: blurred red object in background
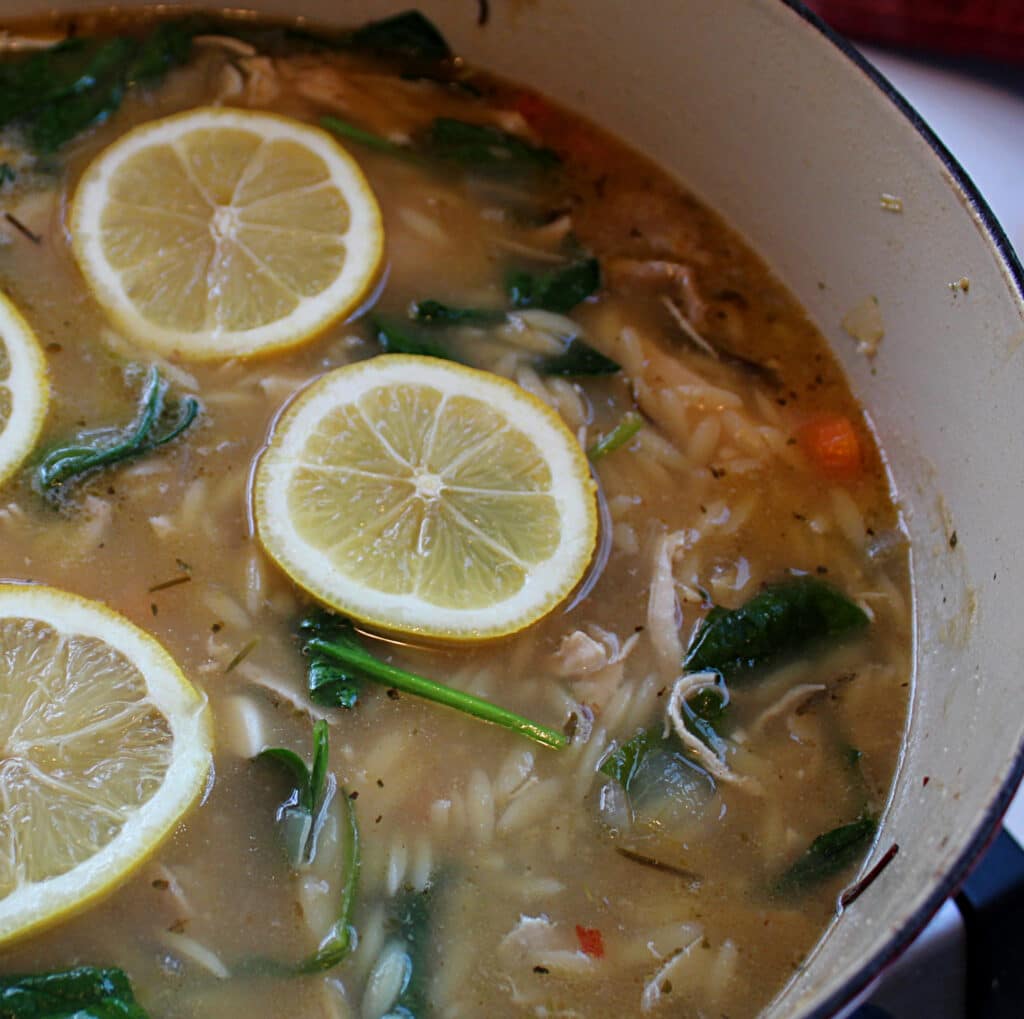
993, 29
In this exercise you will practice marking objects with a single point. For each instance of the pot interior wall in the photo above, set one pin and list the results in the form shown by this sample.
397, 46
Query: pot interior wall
767, 121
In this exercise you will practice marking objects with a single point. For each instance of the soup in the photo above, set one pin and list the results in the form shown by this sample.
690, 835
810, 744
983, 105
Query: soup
726, 687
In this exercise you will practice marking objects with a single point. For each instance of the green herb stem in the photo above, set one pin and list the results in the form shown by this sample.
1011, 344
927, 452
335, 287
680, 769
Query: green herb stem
630, 424
344, 129
431, 690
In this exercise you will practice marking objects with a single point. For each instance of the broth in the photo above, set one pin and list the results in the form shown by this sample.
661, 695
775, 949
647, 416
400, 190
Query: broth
514, 855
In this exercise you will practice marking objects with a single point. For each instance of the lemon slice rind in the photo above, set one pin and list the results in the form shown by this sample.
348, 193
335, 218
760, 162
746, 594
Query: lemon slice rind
363, 238
39, 904
547, 584
27, 382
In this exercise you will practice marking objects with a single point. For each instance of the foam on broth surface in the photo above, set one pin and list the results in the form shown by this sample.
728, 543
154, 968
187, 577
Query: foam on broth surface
515, 850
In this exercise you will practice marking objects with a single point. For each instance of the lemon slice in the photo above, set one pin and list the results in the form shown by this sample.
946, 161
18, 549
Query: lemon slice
424, 497
103, 746
226, 233
24, 389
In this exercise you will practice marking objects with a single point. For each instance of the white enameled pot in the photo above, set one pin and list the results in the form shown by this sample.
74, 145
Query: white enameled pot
794, 138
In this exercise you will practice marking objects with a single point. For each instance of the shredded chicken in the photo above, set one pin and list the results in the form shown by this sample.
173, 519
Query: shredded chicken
589, 650
395, 108
658, 277
683, 688
262, 81
238, 47
669, 392
655, 988
650, 224
536, 941
280, 693
10, 42
579, 653
595, 659
662, 603
791, 701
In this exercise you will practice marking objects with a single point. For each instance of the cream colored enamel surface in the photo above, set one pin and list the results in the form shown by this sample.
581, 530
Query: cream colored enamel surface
771, 124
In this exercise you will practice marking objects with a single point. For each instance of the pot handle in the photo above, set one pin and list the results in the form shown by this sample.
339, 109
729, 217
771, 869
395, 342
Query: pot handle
992, 903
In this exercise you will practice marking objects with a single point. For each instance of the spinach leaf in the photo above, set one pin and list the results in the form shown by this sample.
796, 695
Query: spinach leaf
663, 786
479, 147
85, 992
46, 75
300, 814
57, 93
483, 147
330, 685
297, 770
301, 817
168, 46
436, 313
409, 37
826, 856
630, 424
556, 290
66, 465
782, 621
399, 339
579, 358
409, 34
622, 763
412, 920
340, 939
346, 649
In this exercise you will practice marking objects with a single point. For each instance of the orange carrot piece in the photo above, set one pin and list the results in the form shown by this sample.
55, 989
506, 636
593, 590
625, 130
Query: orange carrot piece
535, 110
591, 942
833, 446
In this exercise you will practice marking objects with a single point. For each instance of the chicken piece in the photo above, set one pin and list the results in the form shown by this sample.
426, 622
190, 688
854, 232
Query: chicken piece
644, 225
657, 277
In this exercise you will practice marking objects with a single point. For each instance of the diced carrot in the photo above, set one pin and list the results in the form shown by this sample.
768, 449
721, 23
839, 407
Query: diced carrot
591, 942
570, 140
535, 110
833, 446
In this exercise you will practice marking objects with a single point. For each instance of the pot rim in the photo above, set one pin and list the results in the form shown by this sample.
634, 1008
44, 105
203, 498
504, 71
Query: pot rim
988, 826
